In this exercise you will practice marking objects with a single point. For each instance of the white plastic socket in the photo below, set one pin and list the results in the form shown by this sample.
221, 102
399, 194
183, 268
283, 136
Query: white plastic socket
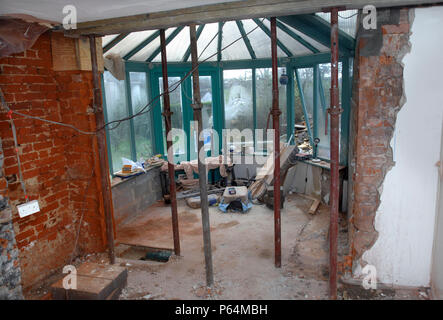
28, 208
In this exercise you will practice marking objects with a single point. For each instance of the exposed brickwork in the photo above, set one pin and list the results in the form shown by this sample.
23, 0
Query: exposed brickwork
60, 166
377, 97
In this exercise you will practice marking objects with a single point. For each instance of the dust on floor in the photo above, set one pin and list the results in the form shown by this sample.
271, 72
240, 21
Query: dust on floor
243, 256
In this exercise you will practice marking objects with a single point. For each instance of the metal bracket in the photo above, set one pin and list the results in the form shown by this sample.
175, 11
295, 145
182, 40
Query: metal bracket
335, 111
197, 106
167, 113
276, 112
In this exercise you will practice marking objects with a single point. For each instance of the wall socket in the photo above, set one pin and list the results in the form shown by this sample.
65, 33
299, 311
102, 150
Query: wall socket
28, 208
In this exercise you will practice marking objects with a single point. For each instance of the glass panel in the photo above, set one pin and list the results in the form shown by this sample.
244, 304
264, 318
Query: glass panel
313, 42
206, 99
347, 20
146, 52
116, 108
293, 45
260, 42
107, 39
298, 108
238, 50
280, 53
237, 86
283, 106
142, 124
177, 47
130, 42
306, 78
208, 41
177, 116
264, 102
323, 149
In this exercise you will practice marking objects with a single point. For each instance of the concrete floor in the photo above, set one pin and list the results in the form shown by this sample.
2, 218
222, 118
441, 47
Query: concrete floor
243, 256
243, 253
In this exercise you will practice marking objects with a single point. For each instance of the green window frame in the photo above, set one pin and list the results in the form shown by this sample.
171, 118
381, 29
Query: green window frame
215, 70
134, 149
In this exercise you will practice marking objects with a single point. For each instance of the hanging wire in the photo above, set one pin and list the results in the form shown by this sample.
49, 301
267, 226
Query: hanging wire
14, 135
349, 17
147, 108
141, 111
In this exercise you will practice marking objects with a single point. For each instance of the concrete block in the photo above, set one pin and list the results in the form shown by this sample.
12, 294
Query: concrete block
94, 282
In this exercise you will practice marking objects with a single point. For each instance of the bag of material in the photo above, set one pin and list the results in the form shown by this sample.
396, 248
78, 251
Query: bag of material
195, 202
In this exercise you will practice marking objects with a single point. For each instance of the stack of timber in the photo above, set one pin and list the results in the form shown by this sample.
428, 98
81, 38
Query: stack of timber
265, 175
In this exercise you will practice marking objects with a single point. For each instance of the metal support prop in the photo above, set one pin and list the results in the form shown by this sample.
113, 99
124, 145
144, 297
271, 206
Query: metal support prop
171, 171
276, 126
334, 112
202, 173
102, 150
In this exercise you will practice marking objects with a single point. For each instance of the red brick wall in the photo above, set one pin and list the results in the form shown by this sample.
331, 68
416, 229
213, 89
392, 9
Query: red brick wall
60, 165
377, 97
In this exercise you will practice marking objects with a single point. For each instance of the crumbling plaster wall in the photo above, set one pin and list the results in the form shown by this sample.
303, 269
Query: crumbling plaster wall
60, 166
396, 128
10, 273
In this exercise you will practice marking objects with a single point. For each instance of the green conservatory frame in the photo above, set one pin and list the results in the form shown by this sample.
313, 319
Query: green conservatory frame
311, 25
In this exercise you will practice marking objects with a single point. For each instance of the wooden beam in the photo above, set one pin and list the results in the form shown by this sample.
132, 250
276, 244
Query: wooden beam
188, 51
167, 115
202, 173
314, 206
225, 12
102, 152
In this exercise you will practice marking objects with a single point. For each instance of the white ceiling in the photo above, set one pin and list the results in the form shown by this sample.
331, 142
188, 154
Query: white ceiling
90, 10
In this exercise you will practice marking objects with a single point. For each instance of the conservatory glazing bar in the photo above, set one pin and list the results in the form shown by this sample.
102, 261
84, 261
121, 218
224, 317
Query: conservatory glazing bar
127, 141
235, 84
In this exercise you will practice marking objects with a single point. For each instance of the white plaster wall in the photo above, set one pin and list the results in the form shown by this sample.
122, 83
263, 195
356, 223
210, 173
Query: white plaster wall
405, 219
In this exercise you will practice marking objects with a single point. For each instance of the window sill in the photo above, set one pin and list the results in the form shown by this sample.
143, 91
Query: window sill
115, 181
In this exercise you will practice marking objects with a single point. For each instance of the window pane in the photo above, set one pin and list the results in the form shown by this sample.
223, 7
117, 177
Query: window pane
116, 108
283, 106
323, 150
264, 103
206, 99
306, 78
237, 85
142, 123
177, 116
208, 123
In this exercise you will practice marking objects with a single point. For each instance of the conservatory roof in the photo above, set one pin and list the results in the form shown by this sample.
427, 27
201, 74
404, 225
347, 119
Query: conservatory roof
299, 35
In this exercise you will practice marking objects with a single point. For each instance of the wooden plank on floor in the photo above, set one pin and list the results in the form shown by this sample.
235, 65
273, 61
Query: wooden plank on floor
314, 207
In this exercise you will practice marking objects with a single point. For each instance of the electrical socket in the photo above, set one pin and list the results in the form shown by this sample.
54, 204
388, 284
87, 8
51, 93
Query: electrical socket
28, 208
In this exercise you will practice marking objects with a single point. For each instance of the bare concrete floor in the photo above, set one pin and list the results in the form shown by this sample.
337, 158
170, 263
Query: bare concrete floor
243, 255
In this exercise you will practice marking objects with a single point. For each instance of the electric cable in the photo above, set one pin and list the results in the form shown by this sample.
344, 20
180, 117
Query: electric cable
14, 135
118, 122
143, 110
